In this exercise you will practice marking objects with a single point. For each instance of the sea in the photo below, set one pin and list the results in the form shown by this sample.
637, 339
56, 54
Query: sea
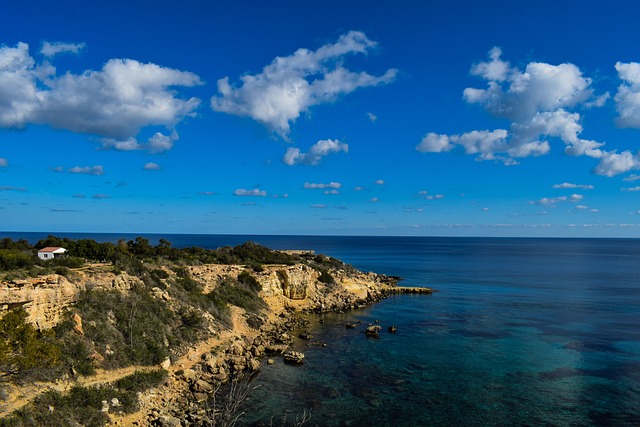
521, 331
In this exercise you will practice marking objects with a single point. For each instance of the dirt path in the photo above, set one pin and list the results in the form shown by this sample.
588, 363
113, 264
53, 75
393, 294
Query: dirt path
19, 396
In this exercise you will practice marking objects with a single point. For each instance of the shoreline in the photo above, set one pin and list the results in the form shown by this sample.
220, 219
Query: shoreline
187, 391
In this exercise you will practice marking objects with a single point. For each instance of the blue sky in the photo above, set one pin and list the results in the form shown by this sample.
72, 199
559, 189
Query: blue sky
487, 118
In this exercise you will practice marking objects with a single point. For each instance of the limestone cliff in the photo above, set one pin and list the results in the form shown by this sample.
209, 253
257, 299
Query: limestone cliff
283, 286
45, 298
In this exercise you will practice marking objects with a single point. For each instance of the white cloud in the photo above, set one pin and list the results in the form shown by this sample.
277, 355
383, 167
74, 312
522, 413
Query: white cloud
114, 103
631, 189
290, 85
379, 182
628, 96
374, 200
570, 185
434, 143
100, 196
52, 49
255, 192
314, 186
372, 117
18, 92
206, 193
87, 170
424, 194
536, 102
631, 178
552, 201
158, 143
320, 149
581, 207
151, 166
319, 206
613, 163
331, 192
3, 162
358, 188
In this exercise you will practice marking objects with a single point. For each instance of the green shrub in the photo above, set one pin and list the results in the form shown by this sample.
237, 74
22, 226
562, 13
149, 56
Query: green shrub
248, 280
327, 278
229, 292
62, 271
142, 380
24, 351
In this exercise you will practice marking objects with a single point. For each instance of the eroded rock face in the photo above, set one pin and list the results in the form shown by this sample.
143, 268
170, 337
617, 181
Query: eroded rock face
46, 298
283, 286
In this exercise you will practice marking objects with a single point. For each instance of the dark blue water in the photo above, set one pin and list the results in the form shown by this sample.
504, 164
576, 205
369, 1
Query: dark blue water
521, 332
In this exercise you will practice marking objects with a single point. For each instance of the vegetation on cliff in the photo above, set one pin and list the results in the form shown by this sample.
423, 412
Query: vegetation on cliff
161, 314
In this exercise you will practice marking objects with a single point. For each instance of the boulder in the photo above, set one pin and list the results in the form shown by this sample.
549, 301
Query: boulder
293, 357
373, 330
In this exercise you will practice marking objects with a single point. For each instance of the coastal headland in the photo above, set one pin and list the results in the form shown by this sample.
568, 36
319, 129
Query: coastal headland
205, 318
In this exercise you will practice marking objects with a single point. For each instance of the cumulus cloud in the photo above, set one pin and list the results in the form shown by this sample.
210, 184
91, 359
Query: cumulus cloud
374, 200
372, 117
613, 163
151, 166
255, 192
331, 192
290, 85
379, 182
537, 103
565, 185
315, 186
114, 103
52, 49
434, 143
87, 170
628, 96
320, 149
631, 189
3, 162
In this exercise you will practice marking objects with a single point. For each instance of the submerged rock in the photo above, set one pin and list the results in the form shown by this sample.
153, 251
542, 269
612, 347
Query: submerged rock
293, 357
372, 330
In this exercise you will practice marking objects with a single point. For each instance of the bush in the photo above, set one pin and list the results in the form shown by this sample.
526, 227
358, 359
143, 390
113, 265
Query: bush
248, 280
229, 292
136, 326
25, 352
11, 259
142, 380
327, 278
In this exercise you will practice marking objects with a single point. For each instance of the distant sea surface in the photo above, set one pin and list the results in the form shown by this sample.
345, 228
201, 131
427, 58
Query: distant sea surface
520, 332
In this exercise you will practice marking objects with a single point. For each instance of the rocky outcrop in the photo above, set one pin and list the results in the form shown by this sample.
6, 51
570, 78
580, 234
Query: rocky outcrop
46, 298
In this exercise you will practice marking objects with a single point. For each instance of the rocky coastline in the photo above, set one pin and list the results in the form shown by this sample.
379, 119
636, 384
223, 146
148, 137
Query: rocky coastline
289, 292
184, 398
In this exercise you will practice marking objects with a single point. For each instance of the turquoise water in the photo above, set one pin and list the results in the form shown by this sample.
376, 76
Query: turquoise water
521, 332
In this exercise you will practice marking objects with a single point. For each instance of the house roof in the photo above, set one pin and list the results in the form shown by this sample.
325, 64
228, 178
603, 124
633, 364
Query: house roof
52, 249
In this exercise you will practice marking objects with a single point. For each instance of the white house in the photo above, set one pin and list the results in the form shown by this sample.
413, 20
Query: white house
50, 252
